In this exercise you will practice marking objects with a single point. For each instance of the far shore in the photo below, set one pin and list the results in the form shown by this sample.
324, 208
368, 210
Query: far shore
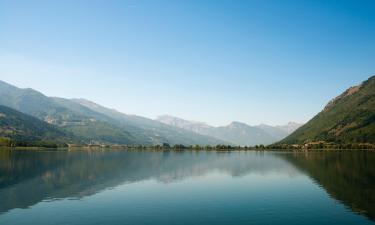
153, 148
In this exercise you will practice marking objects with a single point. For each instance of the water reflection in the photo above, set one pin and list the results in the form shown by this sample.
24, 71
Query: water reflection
348, 176
28, 177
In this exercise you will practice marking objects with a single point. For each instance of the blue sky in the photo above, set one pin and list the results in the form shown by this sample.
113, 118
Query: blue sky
215, 61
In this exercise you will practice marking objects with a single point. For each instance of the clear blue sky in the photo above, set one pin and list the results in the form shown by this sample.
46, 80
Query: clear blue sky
215, 61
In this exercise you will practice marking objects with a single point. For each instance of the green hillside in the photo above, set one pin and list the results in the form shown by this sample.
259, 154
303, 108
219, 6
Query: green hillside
84, 124
347, 119
17, 128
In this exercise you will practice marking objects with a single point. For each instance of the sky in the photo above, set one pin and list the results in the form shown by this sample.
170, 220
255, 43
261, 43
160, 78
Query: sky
211, 60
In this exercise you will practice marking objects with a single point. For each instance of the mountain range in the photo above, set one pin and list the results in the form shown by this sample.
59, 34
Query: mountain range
83, 121
27, 115
236, 132
97, 124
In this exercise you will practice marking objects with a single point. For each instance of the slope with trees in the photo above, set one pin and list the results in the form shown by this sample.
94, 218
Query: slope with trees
347, 119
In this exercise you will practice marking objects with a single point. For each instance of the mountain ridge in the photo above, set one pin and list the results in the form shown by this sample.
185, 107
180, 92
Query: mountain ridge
348, 118
236, 132
96, 124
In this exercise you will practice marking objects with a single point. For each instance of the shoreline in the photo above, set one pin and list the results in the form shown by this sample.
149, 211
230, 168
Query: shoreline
87, 148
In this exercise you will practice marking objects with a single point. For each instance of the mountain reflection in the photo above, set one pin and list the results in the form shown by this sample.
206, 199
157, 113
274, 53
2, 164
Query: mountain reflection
28, 177
348, 176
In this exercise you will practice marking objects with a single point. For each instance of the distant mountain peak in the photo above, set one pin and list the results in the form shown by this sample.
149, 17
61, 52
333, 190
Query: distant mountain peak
168, 119
236, 124
236, 132
289, 127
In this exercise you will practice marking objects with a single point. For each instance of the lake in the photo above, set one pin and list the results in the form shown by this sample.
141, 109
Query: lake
188, 187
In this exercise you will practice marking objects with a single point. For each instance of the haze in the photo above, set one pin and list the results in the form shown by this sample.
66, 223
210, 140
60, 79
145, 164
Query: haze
214, 61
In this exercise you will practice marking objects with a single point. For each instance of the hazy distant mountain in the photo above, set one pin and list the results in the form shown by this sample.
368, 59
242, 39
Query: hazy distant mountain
94, 123
243, 134
290, 127
156, 130
280, 131
236, 132
349, 118
274, 131
198, 127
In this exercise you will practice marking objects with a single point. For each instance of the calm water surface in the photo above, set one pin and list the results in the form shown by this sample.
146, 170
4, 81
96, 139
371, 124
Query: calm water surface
146, 187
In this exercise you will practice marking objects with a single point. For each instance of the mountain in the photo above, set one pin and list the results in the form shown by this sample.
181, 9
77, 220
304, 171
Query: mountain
289, 127
236, 133
281, 131
349, 118
28, 130
243, 134
275, 132
83, 125
158, 132
93, 123
198, 127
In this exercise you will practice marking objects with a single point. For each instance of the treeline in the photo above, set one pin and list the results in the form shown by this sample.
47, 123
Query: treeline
166, 146
7, 142
323, 146
210, 147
